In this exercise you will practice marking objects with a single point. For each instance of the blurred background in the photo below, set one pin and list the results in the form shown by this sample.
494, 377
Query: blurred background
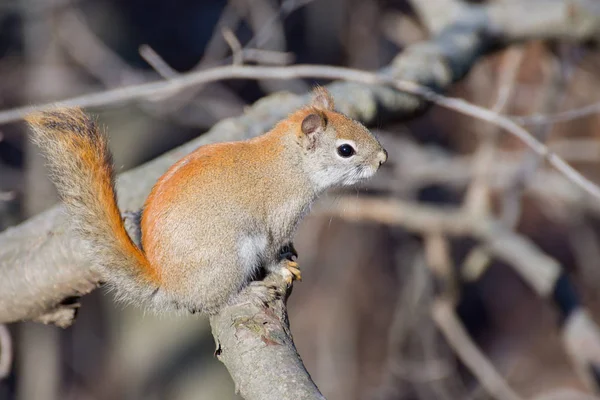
362, 317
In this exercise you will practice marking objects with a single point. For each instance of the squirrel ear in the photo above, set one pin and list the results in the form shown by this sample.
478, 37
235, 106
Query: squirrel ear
313, 123
322, 99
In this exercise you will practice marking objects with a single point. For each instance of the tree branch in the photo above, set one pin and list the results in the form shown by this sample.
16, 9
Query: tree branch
256, 346
457, 336
40, 264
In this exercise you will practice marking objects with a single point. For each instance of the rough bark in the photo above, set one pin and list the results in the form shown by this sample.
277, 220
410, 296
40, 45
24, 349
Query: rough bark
255, 344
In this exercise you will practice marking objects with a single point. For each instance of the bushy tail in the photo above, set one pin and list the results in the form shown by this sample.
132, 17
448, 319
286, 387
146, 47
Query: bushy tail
81, 167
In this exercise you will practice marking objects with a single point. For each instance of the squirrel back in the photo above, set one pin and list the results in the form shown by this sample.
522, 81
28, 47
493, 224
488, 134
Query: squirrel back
81, 167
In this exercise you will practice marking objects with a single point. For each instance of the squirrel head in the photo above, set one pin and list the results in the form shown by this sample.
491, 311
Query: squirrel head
337, 150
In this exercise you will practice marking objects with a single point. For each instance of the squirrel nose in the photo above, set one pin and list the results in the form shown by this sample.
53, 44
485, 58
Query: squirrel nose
383, 156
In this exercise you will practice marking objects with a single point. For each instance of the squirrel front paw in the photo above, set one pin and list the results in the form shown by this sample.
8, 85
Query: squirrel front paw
290, 271
288, 266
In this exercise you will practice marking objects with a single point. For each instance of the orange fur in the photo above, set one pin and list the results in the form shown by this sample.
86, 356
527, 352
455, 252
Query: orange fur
81, 165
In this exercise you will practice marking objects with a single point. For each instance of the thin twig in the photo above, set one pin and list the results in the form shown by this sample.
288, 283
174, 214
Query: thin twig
7, 196
565, 394
478, 193
550, 99
267, 57
234, 44
477, 260
479, 365
563, 116
538, 147
188, 96
314, 71
157, 62
478, 197
252, 46
6, 352
92, 54
286, 8
416, 166
173, 101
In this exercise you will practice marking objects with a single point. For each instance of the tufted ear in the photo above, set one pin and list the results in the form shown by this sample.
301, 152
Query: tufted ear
312, 126
313, 123
322, 99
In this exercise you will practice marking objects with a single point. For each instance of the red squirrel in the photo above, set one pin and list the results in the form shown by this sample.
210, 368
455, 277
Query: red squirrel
216, 216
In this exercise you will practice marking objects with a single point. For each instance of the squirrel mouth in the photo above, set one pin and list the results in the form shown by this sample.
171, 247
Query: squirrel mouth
359, 174
367, 172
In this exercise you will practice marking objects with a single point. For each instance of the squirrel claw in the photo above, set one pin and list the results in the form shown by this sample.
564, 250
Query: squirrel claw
293, 273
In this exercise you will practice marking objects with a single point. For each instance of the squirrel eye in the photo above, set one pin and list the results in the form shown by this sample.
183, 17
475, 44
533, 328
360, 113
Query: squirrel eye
346, 151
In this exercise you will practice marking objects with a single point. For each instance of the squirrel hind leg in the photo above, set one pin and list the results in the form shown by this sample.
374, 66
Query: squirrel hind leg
271, 287
265, 291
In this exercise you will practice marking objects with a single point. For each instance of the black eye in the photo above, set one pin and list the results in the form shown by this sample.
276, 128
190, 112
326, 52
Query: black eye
346, 151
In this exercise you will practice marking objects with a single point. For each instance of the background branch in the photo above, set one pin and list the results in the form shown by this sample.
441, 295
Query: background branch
6, 352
